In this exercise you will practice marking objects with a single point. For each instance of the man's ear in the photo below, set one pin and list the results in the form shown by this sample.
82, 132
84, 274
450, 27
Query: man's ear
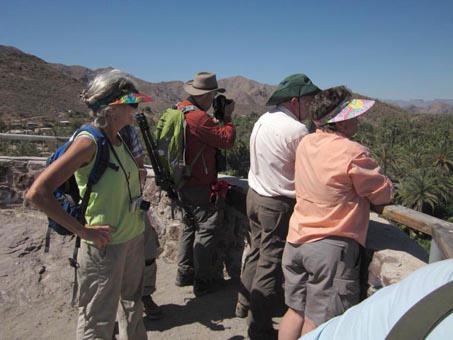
294, 101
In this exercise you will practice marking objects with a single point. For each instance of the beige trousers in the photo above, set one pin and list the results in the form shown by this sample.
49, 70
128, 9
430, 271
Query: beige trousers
152, 249
111, 285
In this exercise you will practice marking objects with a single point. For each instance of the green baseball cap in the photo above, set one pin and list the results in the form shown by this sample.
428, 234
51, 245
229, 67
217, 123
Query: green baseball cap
295, 85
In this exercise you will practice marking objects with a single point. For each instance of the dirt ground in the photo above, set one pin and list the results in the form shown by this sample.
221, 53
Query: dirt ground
35, 291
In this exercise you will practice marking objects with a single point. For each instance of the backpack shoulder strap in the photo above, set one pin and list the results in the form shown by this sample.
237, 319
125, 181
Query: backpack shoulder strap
422, 317
102, 161
189, 108
185, 110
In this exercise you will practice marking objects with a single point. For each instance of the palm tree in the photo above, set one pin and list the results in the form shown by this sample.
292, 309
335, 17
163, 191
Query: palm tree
442, 157
414, 156
423, 188
384, 156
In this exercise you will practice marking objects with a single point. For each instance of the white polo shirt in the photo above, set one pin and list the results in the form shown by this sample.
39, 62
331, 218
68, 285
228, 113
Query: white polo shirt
273, 144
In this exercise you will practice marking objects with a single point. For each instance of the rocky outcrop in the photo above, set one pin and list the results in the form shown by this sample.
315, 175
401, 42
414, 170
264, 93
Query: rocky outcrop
393, 254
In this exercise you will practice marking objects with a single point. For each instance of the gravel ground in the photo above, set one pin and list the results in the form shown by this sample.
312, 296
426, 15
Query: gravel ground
35, 290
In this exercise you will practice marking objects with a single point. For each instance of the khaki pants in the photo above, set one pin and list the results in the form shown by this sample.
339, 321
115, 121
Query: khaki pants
262, 276
111, 284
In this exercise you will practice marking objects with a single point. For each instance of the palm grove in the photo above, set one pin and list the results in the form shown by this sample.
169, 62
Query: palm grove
414, 150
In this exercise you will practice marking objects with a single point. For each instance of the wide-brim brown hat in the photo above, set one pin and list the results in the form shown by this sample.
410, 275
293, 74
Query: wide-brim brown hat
202, 83
293, 86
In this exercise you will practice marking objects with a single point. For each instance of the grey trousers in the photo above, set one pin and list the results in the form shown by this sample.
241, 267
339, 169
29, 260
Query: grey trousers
322, 277
111, 285
198, 235
262, 276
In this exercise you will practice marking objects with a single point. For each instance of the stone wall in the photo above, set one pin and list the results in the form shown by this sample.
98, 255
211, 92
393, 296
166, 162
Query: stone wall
165, 217
392, 254
16, 175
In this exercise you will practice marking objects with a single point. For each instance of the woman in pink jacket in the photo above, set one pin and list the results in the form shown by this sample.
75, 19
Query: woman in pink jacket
336, 180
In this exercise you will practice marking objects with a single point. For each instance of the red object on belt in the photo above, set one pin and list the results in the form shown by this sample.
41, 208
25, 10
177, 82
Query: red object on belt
219, 189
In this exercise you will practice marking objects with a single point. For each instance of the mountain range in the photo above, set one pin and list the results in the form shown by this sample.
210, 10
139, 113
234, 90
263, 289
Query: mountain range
33, 89
436, 106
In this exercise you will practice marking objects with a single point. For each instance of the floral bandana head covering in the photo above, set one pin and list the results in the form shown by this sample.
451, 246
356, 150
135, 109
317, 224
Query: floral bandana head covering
131, 98
348, 109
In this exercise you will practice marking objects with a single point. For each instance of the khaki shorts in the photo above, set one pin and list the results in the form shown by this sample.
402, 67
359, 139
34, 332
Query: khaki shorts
322, 277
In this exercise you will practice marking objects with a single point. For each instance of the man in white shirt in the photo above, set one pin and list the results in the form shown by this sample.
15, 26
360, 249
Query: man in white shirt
271, 199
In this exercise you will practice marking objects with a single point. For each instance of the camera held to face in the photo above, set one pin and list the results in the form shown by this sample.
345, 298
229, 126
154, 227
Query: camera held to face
138, 203
219, 104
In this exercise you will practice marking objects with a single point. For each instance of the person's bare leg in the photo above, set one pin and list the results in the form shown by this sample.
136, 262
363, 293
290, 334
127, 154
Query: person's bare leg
308, 326
291, 325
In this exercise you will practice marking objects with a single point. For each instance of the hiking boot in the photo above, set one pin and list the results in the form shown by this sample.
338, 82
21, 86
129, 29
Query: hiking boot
241, 310
152, 310
268, 334
201, 288
183, 280
219, 282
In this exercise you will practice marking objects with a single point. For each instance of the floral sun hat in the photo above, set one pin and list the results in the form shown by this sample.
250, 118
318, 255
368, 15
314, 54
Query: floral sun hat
347, 109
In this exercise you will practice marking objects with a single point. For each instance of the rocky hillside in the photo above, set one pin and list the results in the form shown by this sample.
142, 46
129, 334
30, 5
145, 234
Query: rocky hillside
33, 90
249, 95
30, 87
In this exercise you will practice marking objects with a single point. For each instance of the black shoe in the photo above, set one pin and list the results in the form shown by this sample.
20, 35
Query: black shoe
152, 310
184, 280
270, 334
201, 288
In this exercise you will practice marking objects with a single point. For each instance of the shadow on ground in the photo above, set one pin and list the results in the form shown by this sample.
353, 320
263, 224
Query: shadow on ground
210, 310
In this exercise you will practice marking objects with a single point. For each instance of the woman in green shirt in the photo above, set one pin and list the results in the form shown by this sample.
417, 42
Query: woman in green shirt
111, 254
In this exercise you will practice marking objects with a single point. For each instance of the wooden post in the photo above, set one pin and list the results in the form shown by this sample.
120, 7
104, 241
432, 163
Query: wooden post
440, 230
444, 242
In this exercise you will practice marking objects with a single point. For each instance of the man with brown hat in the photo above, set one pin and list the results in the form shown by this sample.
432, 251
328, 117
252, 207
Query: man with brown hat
270, 201
203, 215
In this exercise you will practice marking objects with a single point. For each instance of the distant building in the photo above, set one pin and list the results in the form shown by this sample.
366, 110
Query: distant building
46, 131
31, 125
16, 132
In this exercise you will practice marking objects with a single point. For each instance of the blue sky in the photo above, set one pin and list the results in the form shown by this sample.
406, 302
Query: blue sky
383, 49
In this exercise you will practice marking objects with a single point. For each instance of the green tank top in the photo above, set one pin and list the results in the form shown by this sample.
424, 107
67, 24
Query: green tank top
109, 202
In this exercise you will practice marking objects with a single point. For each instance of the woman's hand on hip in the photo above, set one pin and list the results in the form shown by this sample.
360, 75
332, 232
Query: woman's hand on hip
100, 235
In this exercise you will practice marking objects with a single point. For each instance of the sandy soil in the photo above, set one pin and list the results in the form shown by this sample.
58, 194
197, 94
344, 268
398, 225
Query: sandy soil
36, 288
